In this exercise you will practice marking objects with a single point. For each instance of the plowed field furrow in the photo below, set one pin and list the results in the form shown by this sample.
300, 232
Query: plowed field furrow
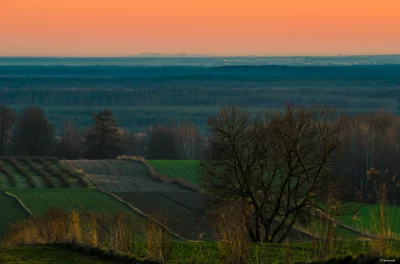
39, 180
55, 179
21, 180
113, 167
4, 181
123, 176
179, 219
113, 183
193, 200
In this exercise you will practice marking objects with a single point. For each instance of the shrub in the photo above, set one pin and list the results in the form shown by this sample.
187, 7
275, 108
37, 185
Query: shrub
231, 232
158, 242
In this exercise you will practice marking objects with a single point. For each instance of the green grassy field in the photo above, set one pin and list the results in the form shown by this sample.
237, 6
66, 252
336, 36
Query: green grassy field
186, 252
185, 169
207, 252
72, 199
368, 218
10, 212
47, 255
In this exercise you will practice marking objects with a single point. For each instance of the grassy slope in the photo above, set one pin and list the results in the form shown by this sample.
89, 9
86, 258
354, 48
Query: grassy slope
22, 182
368, 218
185, 252
182, 252
10, 212
4, 182
186, 169
41, 200
47, 255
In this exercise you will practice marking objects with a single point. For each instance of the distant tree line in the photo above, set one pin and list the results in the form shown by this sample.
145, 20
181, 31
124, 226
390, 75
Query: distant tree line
240, 94
31, 134
368, 156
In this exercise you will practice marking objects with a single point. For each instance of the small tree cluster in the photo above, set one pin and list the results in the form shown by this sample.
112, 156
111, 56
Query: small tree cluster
179, 142
369, 143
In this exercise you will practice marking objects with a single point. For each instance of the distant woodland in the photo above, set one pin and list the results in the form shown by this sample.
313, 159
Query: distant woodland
142, 96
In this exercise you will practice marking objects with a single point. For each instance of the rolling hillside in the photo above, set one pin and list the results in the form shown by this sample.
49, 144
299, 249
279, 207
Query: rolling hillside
10, 212
170, 203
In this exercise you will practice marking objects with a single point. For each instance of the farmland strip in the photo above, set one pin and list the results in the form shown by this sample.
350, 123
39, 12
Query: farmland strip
49, 168
45, 175
13, 162
9, 175
177, 202
11, 212
77, 175
145, 215
20, 203
4, 181
68, 171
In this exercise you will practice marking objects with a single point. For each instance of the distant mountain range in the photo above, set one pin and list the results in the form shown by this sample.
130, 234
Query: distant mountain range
148, 54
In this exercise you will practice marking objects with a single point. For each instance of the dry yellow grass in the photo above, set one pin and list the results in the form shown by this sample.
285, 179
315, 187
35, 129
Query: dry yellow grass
85, 228
158, 241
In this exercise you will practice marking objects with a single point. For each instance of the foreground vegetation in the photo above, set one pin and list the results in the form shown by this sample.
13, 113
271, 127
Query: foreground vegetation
37, 254
99, 233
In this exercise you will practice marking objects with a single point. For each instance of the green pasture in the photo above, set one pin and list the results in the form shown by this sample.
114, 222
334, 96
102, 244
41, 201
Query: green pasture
371, 218
38, 201
48, 255
184, 169
10, 212
207, 252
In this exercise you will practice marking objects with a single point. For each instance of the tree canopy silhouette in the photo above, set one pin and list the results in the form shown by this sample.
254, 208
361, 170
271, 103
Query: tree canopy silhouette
104, 140
276, 165
34, 135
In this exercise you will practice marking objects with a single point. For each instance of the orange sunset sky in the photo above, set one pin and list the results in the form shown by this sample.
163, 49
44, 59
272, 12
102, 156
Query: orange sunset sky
217, 27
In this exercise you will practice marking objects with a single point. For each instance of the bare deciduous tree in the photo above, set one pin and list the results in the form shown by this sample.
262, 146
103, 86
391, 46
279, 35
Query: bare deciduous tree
369, 142
188, 141
277, 165
71, 144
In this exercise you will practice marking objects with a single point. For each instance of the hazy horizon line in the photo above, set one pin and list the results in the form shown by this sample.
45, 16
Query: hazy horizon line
161, 55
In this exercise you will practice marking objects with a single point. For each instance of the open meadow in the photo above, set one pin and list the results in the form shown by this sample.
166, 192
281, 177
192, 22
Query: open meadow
178, 169
10, 212
39, 201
